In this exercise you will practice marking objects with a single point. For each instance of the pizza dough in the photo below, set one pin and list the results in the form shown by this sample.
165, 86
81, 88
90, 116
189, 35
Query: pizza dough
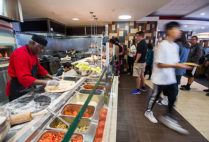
62, 87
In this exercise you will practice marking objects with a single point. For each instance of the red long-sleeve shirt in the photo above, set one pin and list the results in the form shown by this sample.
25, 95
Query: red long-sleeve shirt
20, 67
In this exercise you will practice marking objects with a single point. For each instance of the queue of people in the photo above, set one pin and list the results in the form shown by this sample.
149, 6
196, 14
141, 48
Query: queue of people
165, 67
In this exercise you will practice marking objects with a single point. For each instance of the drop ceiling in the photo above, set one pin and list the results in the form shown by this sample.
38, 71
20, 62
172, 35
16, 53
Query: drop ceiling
187, 25
106, 10
181, 7
191, 13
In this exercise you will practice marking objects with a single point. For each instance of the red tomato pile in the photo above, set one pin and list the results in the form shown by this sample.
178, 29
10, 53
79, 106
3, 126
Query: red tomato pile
53, 136
101, 125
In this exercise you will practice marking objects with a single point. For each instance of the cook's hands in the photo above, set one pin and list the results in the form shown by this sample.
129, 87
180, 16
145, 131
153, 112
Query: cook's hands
52, 83
56, 78
183, 66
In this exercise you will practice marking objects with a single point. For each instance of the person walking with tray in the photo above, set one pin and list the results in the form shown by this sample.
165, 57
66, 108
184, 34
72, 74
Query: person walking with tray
165, 61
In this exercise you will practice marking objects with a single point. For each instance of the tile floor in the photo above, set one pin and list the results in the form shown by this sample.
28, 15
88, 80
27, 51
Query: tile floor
192, 114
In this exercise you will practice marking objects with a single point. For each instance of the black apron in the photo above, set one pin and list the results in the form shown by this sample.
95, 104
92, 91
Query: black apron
16, 89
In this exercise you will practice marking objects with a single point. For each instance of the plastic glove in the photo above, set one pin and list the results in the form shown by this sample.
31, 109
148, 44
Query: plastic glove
56, 78
52, 83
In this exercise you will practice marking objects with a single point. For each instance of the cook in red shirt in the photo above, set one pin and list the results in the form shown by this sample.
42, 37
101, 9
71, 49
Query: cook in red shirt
24, 69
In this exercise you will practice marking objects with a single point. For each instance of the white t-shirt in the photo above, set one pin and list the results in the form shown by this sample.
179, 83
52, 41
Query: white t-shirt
167, 53
132, 49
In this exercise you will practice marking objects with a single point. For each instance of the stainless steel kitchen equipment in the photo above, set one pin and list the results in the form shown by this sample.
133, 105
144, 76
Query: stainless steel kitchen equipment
4, 123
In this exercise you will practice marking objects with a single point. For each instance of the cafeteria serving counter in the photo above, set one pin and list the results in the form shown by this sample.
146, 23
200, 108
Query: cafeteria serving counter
58, 102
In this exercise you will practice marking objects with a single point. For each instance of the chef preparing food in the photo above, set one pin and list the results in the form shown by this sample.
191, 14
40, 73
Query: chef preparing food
24, 69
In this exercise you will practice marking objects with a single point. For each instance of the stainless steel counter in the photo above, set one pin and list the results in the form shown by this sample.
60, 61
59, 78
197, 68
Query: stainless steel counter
56, 102
4, 78
37, 101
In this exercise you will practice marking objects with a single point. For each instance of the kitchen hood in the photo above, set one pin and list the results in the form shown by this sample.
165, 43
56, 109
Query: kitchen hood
11, 10
44, 26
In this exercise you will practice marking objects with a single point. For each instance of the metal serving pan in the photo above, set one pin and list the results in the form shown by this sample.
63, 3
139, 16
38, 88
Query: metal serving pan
57, 124
74, 109
80, 98
100, 87
59, 134
87, 91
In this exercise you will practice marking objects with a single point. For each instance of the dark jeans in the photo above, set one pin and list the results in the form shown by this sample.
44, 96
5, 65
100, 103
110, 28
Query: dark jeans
130, 64
148, 70
168, 90
178, 82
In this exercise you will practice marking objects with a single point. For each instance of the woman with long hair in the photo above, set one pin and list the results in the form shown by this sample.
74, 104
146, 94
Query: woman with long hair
131, 56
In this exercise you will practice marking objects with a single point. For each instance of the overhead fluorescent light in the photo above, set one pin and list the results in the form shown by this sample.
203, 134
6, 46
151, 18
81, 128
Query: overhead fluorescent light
202, 14
124, 17
185, 26
75, 19
202, 27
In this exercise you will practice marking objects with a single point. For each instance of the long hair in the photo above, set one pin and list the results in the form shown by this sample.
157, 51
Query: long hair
183, 40
133, 42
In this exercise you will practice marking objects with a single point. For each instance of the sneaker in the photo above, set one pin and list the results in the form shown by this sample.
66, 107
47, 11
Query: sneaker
206, 90
159, 102
149, 115
143, 89
185, 88
135, 92
173, 124
164, 101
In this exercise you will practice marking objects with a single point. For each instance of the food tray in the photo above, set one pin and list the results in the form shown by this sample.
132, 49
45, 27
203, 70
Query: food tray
74, 109
191, 64
87, 91
81, 99
94, 80
93, 83
84, 122
58, 134
90, 87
